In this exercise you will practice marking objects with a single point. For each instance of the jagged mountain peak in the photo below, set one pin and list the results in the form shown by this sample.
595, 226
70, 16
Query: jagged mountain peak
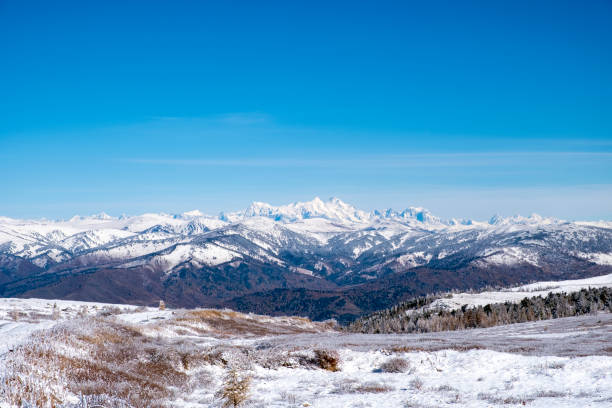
333, 209
419, 214
329, 240
194, 213
533, 219
101, 216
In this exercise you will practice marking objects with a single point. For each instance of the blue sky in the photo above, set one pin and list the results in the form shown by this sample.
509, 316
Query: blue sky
467, 108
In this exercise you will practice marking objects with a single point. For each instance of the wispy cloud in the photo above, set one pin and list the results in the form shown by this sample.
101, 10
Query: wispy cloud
392, 160
225, 119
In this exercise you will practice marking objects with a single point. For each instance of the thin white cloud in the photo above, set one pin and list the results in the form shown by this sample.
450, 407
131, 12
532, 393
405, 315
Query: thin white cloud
383, 161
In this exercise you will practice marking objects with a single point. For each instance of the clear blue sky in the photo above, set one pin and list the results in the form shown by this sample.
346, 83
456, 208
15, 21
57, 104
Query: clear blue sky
467, 108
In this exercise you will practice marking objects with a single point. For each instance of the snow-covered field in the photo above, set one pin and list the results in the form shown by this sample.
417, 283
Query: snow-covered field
563, 363
21, 317
516, 294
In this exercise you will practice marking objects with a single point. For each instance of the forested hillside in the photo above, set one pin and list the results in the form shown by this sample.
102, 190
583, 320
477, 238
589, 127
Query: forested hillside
404, 319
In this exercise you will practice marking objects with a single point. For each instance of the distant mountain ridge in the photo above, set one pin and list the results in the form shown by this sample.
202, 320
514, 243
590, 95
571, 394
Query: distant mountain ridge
332, 209
330, 247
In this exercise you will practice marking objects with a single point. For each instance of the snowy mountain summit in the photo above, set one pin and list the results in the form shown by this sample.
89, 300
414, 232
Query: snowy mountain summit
332, 209
337, 210
319, 245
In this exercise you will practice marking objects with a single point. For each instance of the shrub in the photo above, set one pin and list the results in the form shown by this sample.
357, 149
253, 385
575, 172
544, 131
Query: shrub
288, 397
109, 311
82, 311
395, 365
446, 388
556, 365
55, 313
345, 386
417, 383
327, 359
15, 314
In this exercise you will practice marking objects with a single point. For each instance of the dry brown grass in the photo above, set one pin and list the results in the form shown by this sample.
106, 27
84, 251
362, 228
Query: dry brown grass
107, 358
456, 347
521, 349
352, 386
226, 323
407, 349
17, 391
372, 387
119, 365
500, 400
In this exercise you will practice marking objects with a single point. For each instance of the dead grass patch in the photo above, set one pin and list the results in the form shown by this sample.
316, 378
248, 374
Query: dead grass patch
456, 347
372, 388
97, 357
225, 323
549, 394
499, 400
352, 386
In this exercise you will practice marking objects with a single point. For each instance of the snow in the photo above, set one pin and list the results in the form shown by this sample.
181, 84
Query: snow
334, 208
156, 239
567, 285
598, 258
69, 308
516, 294
533, 219
509, 256
414, 259
193, 213
302, 271
600, 224
207, 254
15, 333
321, 229
454, 369
37, 314
151, 315
447, 378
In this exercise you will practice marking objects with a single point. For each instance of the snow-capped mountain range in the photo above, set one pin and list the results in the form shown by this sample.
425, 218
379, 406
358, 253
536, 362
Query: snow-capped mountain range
322, 245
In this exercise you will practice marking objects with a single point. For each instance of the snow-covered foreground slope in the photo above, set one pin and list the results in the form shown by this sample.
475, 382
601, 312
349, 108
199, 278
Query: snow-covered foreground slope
177, 358
19, 318
514, 295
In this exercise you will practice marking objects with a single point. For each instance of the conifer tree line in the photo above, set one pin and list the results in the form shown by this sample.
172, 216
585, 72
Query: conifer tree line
403, 318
